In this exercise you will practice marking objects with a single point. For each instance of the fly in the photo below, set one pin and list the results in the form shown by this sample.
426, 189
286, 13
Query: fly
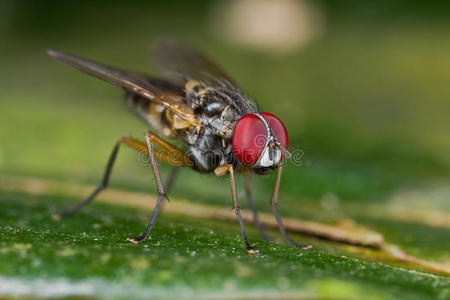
221, 130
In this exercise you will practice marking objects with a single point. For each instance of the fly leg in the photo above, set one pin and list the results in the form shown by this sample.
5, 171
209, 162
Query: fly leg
135, 144
169, 154
170, 182
171, 179
248, 192
221, 171
273, 205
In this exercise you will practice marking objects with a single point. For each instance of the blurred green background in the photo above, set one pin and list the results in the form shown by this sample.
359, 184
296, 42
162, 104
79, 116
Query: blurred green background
366, 100
363, 88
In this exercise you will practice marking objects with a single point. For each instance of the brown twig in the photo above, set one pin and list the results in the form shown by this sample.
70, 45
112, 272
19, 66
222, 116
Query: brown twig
344, 232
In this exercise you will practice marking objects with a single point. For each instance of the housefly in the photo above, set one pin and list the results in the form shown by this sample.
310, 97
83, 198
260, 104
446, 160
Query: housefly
221, 129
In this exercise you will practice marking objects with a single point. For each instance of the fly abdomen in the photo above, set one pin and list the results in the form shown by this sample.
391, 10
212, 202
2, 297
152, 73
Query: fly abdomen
137, 103
151, 112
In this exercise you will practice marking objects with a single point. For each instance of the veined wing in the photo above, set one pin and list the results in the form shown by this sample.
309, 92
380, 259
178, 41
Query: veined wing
183, 64
158, 91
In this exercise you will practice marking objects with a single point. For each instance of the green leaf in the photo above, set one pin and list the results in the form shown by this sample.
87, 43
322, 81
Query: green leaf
88, 255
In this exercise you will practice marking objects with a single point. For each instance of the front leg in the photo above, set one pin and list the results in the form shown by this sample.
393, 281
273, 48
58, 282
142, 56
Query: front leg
273, 205
221, 171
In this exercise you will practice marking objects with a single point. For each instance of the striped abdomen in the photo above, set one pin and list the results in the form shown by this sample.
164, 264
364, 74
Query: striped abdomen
154, 114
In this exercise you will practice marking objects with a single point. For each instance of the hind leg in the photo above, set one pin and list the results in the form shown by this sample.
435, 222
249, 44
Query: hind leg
135, 144
170, 154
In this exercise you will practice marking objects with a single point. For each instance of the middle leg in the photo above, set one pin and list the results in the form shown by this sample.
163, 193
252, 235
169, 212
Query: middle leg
169, 154
248, 192
170, 182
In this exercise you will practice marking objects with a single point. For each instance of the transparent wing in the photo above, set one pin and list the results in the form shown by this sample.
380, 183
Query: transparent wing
161, 92
181, 64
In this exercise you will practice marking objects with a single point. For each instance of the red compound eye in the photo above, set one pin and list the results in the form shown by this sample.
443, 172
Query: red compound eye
249, 139
278, 129
250, 136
